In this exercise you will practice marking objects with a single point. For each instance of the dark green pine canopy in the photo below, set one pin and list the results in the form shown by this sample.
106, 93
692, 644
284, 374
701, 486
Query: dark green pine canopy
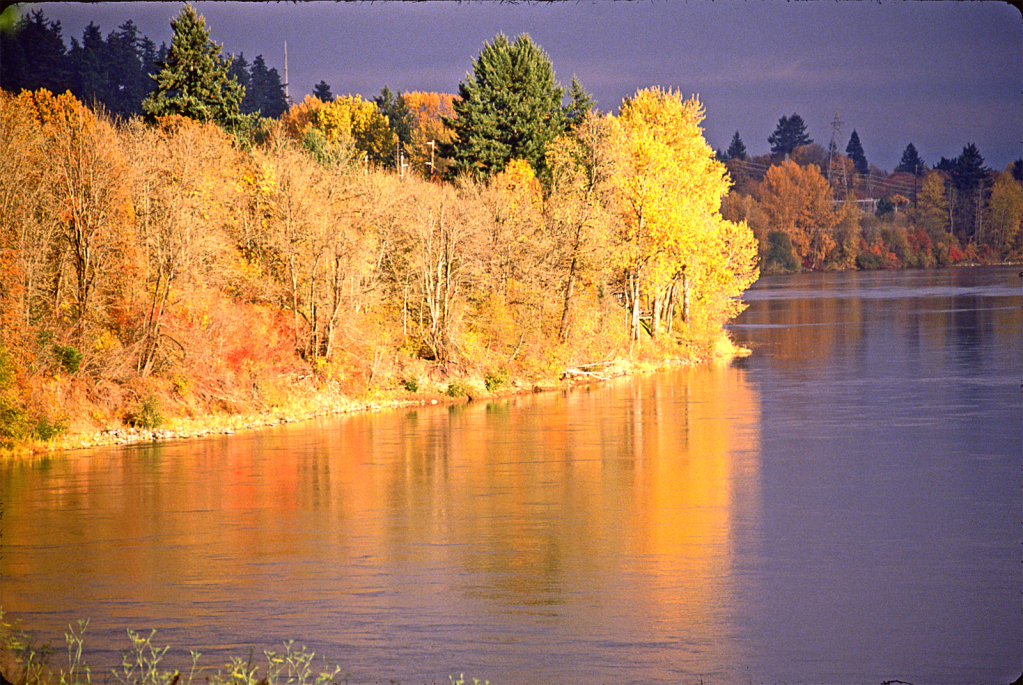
193, 80
509, 108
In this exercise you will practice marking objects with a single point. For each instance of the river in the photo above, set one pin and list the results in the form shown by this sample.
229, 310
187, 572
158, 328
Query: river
843, 506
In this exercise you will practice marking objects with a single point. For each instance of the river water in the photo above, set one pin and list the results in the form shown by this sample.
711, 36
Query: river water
843, 506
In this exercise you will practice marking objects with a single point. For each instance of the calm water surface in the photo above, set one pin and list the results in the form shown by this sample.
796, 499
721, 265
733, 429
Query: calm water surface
843, 506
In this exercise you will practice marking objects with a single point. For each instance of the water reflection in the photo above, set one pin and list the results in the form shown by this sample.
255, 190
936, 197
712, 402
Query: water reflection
583, 536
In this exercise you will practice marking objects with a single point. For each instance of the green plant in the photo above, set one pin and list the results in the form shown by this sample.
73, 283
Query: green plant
146, 414
47, 430
495, 380
76, 667
457, 389
70, 358
31, 658
411, 384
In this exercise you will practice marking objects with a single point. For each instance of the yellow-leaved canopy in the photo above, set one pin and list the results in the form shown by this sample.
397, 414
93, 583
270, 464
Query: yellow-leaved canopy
674, 246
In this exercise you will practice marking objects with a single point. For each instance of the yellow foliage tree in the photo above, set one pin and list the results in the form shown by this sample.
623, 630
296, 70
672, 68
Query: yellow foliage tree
352, 118
673, 242
798, 202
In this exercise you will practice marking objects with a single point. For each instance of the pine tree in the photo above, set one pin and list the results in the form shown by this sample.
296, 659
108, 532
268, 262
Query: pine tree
788, 135
911, 163
322, 92
193, 80
508, 108
264, 94
855, 152
736, 149
580, 103
399, 116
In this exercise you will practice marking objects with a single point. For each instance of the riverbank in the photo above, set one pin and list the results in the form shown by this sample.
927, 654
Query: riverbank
310, 400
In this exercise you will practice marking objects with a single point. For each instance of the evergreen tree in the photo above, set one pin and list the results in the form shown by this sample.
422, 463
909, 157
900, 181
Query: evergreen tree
855, 152
396, 110
580, 103
911, 163
508, 108
264, 94
322, 92
129, 82
239, 71
193, 80
34, 56
736, 149
788, 135
970, 179
1016, 169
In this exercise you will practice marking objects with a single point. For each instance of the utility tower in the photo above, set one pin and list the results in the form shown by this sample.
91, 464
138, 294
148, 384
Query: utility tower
836, 165
287, 95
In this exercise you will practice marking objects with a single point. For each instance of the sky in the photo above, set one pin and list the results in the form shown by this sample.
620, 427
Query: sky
938, 74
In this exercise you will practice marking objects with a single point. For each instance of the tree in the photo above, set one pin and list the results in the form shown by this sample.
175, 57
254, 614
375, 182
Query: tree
321, 91
911, 163
736, 149
788, 135
34, 56
193, 80
580, 103
350, 118
399, 117
264, 94
855, 151
1006, 207
969, 179
932, 205
508, 108
673, 244
798, 202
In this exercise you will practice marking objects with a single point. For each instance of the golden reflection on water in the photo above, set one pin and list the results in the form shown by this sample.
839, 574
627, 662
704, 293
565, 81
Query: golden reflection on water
574, 522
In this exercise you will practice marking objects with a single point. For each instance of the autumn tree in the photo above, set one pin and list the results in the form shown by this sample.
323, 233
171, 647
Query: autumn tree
673, 242
350, 118
578, 207
798, 202
184, 188
1006, 210
933, 206
430, 137
509, 107
193, 80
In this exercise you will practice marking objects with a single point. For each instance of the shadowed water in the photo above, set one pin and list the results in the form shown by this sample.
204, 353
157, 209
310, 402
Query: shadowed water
842, 506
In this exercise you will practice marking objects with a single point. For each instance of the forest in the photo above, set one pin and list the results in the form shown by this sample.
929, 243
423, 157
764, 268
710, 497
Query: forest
178, 241
194, 260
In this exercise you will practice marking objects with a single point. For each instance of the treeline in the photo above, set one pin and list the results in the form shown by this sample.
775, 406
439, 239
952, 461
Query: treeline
816, 208
174, 263
116, 71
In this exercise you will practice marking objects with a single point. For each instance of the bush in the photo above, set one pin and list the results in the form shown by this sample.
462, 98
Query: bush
411, 384
779, 251
146, 414
457, 389
495, 380
69, 358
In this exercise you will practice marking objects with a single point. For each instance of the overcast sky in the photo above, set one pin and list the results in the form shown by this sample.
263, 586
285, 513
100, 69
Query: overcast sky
937, 74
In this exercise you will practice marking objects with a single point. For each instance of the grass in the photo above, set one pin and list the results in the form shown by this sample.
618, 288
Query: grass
24, 662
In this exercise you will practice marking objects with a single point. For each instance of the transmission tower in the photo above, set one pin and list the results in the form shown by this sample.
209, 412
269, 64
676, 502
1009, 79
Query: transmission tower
836, 165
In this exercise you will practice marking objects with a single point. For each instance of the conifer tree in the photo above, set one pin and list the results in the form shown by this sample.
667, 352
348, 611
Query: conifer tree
855, 152
580, 103
264, 93
322, 92
911, 163
399, 116
509, 107
736, 149
788, 135
193, 80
